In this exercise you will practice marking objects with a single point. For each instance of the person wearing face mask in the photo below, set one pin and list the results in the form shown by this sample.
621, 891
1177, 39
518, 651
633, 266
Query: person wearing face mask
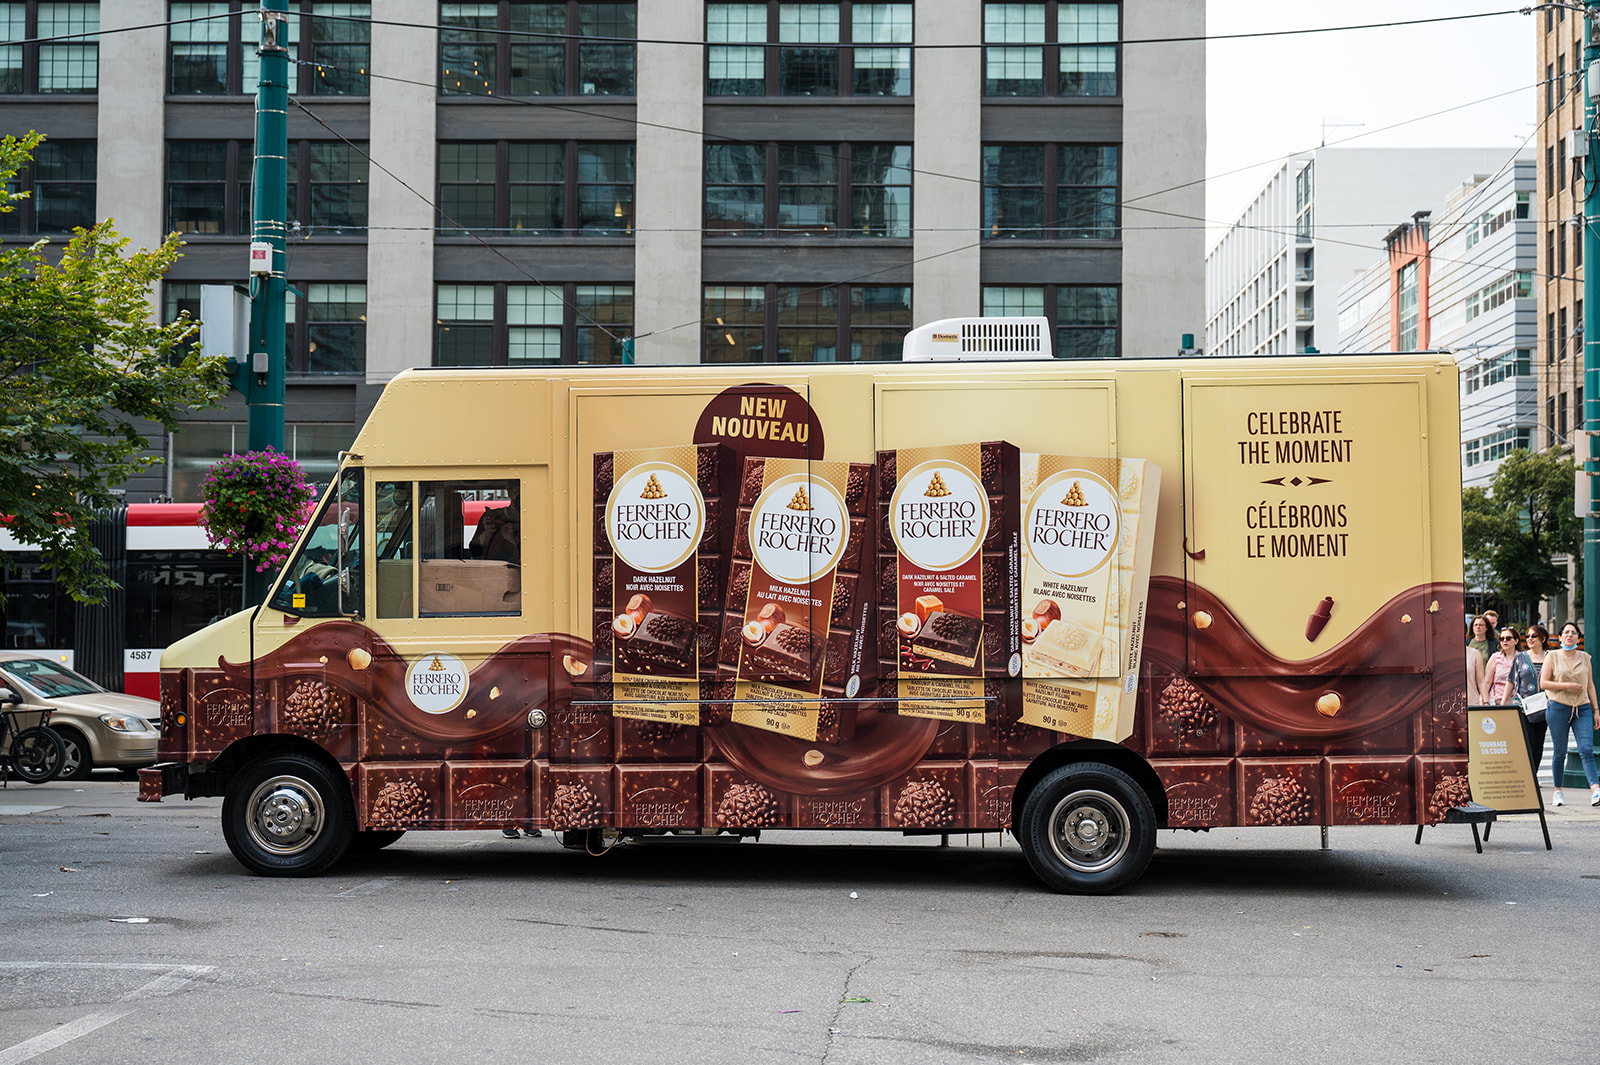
1568, 677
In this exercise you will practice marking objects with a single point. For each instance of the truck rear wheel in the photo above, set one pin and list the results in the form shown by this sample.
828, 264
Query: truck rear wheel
1088, 829
288, 815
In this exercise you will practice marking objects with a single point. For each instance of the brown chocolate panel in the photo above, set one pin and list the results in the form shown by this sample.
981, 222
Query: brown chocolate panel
951, 741
659, 796
487, 794
1372, 791
1443, 785
933, 795
837, 811
1182, 719
307, 706
994, 787
656, 741
579, 797
580, 733
1281, 791
222, 712
736, 801
400, 795
1201, 792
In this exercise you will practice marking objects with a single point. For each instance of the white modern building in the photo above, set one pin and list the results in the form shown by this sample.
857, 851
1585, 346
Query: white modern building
1320, 218
1459, 277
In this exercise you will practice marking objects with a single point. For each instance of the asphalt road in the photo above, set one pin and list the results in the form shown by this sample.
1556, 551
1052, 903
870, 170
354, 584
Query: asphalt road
128, 932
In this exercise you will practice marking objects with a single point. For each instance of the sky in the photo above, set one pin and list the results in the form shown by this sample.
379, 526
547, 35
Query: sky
1269, 97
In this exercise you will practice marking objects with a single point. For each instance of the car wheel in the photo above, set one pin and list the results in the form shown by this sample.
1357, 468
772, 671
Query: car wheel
288, 815
374, 840
37, 754
78, 763
1088, 829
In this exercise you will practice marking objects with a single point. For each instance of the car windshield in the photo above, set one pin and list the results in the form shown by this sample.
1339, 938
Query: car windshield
49, 680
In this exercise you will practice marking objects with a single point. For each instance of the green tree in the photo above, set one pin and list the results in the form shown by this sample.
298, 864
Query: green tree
81, 362
1511, 532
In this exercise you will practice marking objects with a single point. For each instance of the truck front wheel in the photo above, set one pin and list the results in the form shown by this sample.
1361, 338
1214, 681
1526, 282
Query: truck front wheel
1088, 829
287, 815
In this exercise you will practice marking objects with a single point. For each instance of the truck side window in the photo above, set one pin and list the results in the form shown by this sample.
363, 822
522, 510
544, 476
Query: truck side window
466, 540
392, 500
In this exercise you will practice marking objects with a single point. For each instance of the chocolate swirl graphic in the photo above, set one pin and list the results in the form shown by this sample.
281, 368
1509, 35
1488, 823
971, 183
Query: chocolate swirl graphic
1380, 672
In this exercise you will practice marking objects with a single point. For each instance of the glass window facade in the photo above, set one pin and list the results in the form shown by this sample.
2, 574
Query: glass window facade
520, 49
1085, 319
532, 325
837, 190
784, 49
1067, 191
805, 323
542, 188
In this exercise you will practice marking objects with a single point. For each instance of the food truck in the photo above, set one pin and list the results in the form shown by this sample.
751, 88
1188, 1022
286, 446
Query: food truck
981, 590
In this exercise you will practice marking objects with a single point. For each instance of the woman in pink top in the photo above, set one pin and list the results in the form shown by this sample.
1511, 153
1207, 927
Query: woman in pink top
1497, 671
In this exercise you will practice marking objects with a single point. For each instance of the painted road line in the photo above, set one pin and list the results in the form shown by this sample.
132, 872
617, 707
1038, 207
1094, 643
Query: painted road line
170, 979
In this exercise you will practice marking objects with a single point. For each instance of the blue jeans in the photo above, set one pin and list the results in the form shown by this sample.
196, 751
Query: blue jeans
1580, 719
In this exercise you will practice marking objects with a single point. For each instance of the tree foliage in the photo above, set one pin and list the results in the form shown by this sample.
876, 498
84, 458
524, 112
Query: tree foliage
81, 363
1509, 533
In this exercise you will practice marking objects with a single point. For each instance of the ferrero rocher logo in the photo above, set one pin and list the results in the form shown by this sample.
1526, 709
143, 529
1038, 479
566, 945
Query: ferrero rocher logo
798, 530
936, 488
940, 526
438, 686
800, 502
1079, 534
655, 516
1075, 497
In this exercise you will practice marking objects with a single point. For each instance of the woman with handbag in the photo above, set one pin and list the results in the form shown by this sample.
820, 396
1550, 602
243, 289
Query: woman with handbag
1524, 690
1568, 677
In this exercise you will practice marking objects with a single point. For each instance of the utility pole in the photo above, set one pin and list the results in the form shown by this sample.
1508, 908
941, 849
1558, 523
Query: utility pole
261, 378
1591, 320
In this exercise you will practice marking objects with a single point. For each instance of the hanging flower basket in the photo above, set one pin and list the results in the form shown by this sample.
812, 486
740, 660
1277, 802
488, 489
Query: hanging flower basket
254, 505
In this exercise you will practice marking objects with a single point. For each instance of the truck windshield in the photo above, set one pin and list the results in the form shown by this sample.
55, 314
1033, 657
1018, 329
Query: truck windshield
329, 557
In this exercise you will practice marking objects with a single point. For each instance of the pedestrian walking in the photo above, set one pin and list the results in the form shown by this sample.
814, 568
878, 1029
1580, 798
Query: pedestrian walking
1568, 678
1525, 691
1497, 670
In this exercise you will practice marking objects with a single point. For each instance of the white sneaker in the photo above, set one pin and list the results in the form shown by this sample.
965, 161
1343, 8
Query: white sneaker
1558, 800
1594, 796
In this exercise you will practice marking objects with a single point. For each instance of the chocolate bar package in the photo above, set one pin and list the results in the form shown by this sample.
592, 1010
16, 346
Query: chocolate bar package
664, 518
797, 632
1088, 530
948, 608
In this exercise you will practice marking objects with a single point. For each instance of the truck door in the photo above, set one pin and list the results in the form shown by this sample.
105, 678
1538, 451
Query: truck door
1307, 551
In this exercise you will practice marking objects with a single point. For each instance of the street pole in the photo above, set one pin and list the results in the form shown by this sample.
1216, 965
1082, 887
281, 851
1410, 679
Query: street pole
264, 395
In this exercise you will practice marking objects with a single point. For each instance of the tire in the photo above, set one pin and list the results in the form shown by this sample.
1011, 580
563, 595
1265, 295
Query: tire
1088, 829
78, 763
374, 840
37, 755
288, 815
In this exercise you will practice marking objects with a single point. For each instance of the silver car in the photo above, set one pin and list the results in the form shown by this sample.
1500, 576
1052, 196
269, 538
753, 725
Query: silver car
98, 727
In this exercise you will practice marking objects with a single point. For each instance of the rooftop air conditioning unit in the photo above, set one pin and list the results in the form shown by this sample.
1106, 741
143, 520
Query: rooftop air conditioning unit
978, 339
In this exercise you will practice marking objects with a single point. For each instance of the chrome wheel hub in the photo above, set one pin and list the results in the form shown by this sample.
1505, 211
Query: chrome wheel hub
284, 814
1089, 831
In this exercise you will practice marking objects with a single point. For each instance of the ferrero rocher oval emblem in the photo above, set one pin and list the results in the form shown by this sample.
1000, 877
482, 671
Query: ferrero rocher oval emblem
939, 515
799, 528
1071, 523
655, 516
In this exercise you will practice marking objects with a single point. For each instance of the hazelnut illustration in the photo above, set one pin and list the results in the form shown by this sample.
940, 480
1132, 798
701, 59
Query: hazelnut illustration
909, 624
359, 658
494, 693
754, 632
812, 758
638, 607
1405, 619
1329, 704
1202, 620
1030, 630
574, 667
1047, 611
623, 626
771, 616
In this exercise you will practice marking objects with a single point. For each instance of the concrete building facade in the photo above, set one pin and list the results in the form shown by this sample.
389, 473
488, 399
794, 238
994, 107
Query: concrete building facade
534, 183
1320, 218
